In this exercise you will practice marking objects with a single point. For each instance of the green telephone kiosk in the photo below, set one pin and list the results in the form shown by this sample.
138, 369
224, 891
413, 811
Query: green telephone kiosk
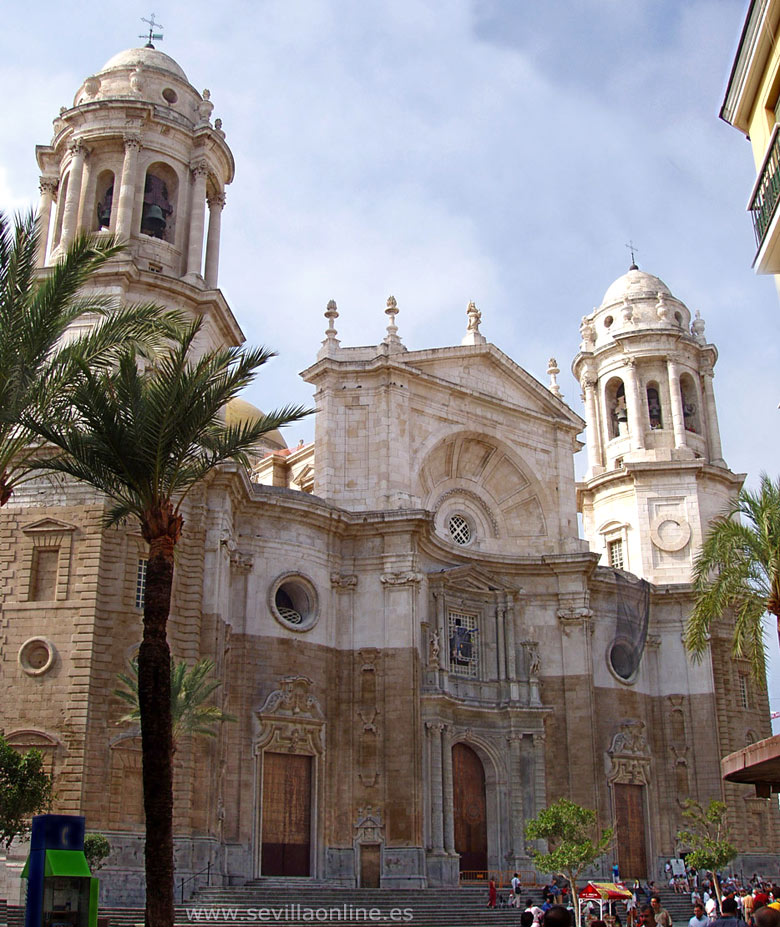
61, 891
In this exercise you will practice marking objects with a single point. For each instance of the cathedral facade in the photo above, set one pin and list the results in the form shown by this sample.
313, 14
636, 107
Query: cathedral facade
419, 649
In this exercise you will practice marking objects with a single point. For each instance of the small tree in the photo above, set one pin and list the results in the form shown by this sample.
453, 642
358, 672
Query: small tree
707, 837
25, 789
574, 842
190, 689
96, 849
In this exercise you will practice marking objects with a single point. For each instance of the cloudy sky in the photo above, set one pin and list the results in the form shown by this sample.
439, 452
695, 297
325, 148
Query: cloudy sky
447, 150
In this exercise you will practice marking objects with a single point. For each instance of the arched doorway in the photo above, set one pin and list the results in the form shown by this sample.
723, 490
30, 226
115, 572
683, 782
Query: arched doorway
470, 808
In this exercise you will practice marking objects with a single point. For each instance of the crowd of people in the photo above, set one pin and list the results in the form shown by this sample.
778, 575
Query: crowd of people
756, 903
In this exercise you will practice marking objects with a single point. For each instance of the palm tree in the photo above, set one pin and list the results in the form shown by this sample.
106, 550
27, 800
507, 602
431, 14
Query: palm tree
145, 438
190, 690
37, 357
738, 567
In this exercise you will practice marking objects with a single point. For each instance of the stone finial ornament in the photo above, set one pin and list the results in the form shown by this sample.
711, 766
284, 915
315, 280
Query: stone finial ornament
627, 311
697, 328
136, 80
662, 310
205, 107
392, 329
473, 334
331, 342
553, 370
91, 86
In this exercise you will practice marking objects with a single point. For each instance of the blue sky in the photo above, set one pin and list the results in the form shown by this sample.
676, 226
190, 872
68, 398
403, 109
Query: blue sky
445, 150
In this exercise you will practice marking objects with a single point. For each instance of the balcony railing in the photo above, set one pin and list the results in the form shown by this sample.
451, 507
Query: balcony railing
767, 190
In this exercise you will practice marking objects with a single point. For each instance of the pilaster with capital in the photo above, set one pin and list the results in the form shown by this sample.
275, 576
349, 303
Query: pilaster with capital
127, 187
518, 812
592, 431
216, 203
447, 793
78, 155
200, 172
48, 188
678, 421
435, 730
636, 408
711, 412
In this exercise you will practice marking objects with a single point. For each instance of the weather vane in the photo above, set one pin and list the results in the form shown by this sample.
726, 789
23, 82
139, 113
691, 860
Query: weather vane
152, 34
632, 248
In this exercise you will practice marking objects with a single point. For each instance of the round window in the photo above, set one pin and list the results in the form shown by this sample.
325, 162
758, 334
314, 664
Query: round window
170, 96
608, 321
460, 529
293, 601
36, 656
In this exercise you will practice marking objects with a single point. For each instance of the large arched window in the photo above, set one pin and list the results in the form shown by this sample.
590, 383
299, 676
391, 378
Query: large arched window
654, 406
158, 215
104, 200
690, 403
617, 412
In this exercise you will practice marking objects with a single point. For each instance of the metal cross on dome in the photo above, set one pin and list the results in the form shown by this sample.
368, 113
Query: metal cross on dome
632, 248
152, 34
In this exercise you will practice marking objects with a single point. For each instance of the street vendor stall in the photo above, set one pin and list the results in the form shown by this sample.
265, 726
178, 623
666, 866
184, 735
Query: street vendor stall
604, 893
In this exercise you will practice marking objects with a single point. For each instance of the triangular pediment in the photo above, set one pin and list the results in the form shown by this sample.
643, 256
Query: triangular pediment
470, 578
48, 525
485, 370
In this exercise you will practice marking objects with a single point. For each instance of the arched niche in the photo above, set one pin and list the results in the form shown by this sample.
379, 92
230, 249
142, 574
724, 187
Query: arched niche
615, 405
104, 201
690, 404
159, 208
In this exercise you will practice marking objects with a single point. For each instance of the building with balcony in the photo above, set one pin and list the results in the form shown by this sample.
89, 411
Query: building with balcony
752, 105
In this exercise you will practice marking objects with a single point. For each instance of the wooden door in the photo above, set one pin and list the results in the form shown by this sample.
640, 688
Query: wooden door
286, 811
370, 858
470, 808
630, 828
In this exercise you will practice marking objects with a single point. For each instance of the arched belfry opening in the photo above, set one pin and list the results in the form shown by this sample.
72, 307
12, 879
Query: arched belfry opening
158, 212
469, 809
104, 201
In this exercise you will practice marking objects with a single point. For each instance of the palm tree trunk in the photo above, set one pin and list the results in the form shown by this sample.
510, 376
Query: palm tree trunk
154, 700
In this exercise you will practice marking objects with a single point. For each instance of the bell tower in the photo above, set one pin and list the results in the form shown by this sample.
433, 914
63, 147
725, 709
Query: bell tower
656, 470
137, 155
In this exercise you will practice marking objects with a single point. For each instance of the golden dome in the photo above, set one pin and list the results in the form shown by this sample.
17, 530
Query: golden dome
239, 410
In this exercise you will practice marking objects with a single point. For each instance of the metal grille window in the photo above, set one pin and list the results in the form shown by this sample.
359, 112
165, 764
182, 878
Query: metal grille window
460, 529
744, 701
615, 552
464, 644
140, 582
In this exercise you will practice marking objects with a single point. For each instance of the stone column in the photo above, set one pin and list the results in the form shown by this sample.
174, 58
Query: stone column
73, 196
447, 793
517, 811
593, 431
678, 421
509, 629
500, 643
711, 412
48, 188
216, 204
636, 417
127, 188
200, 172
437, 790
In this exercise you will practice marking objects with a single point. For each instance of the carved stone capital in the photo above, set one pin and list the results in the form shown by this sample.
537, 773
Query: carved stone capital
48, 185
343, 580
588, 382
407, 578
216, 201
199, 168
78, 149
435, 727
132, 141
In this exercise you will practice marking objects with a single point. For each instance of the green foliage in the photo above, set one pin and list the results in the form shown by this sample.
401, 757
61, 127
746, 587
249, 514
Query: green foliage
25, 790
706, 836
96, 849
190, 690
573, 839
738, 568
37, 365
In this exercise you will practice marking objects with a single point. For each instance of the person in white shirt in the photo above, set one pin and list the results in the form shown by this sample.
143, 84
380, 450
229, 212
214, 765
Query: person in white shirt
699, 918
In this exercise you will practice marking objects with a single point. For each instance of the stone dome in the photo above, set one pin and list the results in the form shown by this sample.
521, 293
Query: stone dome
635, 284
147, 58
239, 410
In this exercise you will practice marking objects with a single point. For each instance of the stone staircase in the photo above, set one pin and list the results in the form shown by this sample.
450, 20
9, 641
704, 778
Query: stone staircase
678, 905
287, 904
